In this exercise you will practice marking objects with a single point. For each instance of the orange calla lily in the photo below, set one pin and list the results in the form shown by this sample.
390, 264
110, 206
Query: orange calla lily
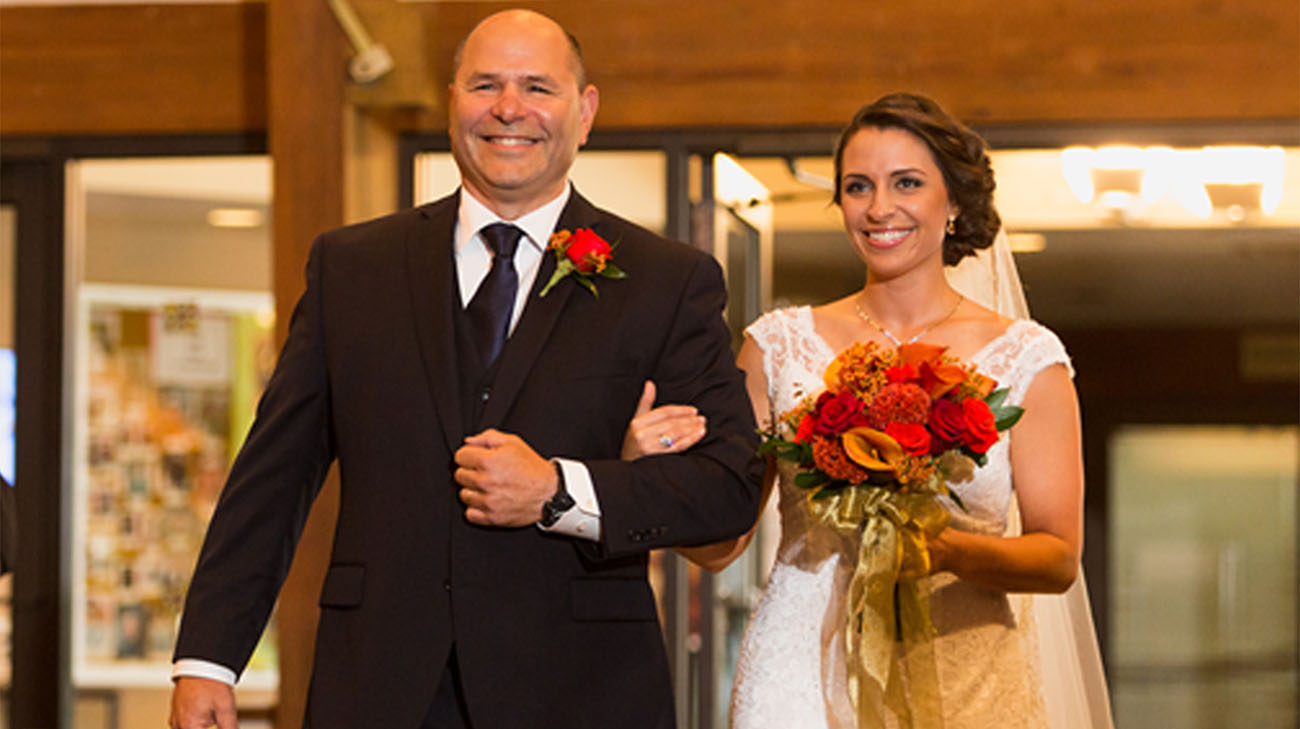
937, 375
918, 352
872, 449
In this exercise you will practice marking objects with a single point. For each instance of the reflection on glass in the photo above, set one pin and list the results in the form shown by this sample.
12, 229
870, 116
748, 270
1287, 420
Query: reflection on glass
8, 241
174, 342
1204, 579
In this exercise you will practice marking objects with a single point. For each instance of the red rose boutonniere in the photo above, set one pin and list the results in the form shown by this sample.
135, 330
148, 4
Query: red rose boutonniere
584, 255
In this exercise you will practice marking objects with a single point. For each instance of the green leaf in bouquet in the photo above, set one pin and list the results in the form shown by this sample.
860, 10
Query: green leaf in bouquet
811, 479
1004, 415
979, 458
996, 398
824, 493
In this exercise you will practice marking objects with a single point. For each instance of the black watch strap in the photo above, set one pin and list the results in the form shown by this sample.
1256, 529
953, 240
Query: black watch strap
561, 502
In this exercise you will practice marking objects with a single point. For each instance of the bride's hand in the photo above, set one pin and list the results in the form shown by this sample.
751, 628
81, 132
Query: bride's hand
665, 429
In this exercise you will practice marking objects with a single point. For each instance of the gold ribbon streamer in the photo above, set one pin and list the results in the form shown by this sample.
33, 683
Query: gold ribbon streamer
886, 612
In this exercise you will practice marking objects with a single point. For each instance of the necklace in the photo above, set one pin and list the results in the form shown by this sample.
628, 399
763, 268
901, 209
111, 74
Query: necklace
890, 335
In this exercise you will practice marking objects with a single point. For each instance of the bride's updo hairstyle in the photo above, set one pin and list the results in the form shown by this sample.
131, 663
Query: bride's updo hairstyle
960, 154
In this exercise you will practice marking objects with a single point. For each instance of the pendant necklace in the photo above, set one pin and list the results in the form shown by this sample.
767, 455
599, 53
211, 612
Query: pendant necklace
890, 335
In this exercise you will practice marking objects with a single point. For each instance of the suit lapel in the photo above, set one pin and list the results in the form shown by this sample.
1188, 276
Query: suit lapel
539, 318
431, 280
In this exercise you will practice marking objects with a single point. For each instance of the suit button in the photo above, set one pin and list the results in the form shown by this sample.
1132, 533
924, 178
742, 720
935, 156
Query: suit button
487, 393
446, 585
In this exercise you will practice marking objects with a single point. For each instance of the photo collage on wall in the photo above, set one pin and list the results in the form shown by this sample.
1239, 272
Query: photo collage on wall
170, 396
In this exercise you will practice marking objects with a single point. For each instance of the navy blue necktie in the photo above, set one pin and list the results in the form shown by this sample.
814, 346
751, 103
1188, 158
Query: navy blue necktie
494, 302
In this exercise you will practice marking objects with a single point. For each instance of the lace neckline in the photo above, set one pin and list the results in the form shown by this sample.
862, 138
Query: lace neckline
828, 354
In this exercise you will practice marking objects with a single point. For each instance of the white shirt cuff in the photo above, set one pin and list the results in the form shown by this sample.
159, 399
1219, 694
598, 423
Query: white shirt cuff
199, 668
583, 520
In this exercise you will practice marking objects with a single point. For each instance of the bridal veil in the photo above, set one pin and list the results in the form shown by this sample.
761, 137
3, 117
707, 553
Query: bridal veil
1074, 682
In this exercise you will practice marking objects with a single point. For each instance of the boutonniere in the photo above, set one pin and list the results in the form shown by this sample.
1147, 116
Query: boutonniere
584, 255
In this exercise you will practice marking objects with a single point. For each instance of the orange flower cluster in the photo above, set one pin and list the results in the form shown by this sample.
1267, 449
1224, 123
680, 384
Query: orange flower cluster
899, 402
830, 457
860, 369
914, 471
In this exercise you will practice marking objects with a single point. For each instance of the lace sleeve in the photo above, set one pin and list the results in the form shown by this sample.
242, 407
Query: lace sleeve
1037, 348
769, 333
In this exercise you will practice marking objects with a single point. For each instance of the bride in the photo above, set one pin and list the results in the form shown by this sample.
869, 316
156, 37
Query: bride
1014, 644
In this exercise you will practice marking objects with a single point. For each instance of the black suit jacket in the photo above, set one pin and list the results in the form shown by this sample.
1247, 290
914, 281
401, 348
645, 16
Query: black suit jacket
549, 631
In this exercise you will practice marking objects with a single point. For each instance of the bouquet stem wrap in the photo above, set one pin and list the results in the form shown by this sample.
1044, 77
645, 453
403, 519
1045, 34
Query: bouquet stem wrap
887, 617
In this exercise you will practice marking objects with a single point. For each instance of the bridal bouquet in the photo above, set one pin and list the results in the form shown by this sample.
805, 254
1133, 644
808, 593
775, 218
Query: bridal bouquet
876, 450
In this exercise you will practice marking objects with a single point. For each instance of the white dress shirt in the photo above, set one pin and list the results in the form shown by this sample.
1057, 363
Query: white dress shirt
473, 259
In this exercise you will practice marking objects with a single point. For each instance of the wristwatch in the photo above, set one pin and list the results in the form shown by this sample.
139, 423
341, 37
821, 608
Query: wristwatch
559, 503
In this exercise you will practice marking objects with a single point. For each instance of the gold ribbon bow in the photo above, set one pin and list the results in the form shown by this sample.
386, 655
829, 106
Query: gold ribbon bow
887, 617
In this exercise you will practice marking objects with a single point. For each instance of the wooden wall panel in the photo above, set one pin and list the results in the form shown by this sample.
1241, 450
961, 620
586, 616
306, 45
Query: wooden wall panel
792, 63
137, 69
684, 63
306, 55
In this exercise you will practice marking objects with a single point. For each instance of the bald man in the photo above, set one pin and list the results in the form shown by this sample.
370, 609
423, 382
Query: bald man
489, 564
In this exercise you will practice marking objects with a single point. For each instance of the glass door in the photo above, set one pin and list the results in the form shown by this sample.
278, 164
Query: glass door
172, 340
1204, 583
733, 220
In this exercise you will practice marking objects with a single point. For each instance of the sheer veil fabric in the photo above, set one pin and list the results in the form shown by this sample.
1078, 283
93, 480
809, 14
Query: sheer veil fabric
1074, 682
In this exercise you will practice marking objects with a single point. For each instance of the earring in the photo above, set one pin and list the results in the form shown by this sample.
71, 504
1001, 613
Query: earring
952, 226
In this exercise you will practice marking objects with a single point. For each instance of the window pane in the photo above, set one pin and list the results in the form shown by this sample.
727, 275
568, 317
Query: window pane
1203, 577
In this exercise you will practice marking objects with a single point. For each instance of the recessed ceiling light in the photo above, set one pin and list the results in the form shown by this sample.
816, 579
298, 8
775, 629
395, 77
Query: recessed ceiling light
234, 218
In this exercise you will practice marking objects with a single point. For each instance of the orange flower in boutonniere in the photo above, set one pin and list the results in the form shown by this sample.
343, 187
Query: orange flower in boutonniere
584, 255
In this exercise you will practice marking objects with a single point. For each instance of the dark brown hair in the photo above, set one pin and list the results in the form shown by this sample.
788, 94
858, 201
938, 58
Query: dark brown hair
961, 155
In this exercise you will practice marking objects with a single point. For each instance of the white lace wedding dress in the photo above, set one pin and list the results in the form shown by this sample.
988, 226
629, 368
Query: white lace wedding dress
791, 671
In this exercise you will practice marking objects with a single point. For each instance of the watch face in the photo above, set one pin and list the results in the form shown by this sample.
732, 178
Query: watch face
555, 508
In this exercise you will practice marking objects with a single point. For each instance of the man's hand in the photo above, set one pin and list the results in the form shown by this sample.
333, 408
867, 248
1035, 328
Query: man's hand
503, 480
198, 703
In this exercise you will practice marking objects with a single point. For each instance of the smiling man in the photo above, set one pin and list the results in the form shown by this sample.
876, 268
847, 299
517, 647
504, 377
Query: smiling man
489, 564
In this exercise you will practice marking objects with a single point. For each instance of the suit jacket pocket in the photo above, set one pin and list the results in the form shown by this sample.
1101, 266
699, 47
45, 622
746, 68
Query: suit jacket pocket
612, 599
344, 586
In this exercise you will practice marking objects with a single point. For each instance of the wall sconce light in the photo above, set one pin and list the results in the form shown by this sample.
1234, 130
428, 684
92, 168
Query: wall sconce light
1237, 180
1121, 178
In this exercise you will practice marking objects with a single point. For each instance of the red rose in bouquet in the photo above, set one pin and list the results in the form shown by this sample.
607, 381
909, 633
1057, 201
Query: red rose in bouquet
981, 425
836, 413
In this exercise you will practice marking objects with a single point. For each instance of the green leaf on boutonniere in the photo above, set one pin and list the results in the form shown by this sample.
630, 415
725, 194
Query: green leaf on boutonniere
562, 269
612, 271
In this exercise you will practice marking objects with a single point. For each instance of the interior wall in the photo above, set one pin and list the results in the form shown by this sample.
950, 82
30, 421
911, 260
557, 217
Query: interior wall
83, 70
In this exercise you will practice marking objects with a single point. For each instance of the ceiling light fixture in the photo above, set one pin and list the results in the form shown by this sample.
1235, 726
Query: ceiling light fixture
1119, 177
1237, 180
234, 218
